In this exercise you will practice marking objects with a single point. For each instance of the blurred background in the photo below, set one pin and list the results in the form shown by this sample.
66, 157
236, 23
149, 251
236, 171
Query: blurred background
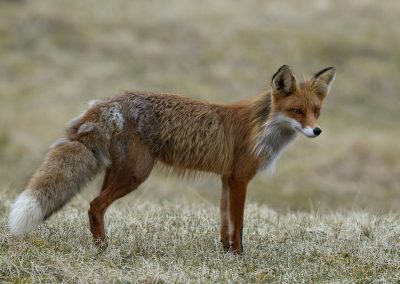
55, 55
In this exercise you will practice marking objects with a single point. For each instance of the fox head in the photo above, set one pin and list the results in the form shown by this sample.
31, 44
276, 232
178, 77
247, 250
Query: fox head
299, 102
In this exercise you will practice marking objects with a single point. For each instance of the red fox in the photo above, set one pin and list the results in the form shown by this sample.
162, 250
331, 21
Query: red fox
127, 135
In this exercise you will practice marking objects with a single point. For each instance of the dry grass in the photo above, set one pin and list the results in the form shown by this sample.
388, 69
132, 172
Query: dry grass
168, 243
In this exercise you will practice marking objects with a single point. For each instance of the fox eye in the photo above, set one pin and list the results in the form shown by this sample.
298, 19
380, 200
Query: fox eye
297, 111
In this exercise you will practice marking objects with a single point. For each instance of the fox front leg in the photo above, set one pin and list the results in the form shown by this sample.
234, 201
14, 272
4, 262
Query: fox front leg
236, 201
224, 214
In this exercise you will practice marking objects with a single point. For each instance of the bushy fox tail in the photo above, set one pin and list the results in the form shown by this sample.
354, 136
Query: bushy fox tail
69, 165
66, 169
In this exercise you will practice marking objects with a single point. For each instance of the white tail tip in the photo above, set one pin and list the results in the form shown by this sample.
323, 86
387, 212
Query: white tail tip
26, 214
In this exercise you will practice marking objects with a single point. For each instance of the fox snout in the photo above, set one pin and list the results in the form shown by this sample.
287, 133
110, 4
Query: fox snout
317, 131
310, 132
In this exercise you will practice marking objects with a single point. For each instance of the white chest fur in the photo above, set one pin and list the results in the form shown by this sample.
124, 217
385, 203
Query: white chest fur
275, 135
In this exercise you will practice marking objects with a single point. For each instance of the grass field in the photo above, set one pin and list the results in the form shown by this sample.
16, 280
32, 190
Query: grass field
333, 201
169, 243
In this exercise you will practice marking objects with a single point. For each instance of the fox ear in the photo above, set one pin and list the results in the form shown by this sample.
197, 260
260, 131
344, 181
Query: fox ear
283, 82
323, 81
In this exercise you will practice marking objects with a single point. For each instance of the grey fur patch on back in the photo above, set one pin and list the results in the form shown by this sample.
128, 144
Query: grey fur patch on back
113, 113
140, 106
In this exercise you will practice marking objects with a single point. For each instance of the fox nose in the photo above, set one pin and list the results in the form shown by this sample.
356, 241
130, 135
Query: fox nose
317, 131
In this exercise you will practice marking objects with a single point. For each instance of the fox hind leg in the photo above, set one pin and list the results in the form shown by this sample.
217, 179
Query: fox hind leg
93, 221
99, 205
120, 179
